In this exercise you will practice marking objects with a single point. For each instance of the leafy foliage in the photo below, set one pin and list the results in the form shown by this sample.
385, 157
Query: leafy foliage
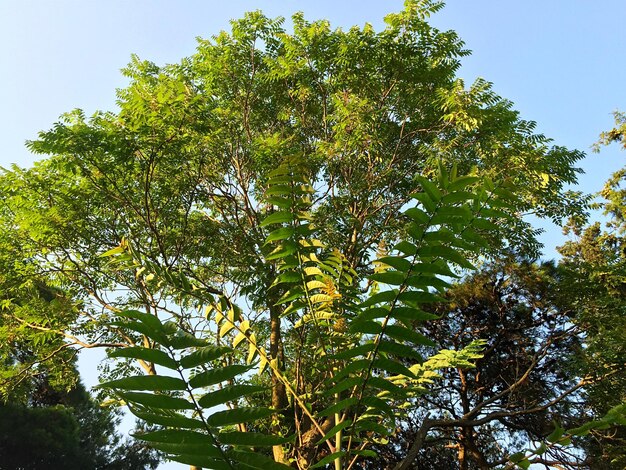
528, 379
349, 375
264, 223
593, 262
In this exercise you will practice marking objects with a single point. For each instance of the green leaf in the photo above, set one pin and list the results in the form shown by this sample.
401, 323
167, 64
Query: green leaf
393, 367
146, 354
184, 340
278, 217
281, 202
201, 461
280, 234
343, 385
405, 334
365, 453
369, 425
413, 314
290, 295
289, 277
383, 384
280, 190
176, 436
426, 201
485, 224
433, 268
416, 232
257, 460
470, 235
238, 415
373, 313
205, 449
556, 434
339, 406
329, 459
425, 280
447, 253
430, 188
229, 393
453, 212
385, 296
462, 182
112, 252
367, 327
355, 351
397, 262
286, 178
157, 400
334, 430
399, 350
143, 329
220, 374
417, 215
458, 196
146, 382
204, 356
286, 248
152, 321
170, 419
357, 365
418, 297
407, 248
394, 278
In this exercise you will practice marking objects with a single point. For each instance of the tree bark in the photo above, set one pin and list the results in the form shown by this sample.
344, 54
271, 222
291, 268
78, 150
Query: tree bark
279, 395
469, 450
416, 446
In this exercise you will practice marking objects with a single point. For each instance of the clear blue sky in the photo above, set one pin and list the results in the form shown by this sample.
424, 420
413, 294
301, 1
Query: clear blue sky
560, 61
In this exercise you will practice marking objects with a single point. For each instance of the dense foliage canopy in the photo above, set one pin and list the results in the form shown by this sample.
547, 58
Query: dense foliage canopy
262, 232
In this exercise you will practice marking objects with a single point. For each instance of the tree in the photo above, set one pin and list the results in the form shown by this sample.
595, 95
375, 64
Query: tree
28, 300
60, 428
348, 367
595, 267
180, 186
528, 377
48, 419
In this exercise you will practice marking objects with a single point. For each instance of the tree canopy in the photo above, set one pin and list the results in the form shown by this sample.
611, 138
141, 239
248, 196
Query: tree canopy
261, 227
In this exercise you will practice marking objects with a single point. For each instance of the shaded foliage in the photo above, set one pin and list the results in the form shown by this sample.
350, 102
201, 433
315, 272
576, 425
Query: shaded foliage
66, 429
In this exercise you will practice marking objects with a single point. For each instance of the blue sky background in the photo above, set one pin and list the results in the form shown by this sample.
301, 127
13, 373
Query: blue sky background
560, 61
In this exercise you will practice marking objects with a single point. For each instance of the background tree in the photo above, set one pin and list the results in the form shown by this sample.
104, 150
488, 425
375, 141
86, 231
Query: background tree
527, 379
58, 427
595, 265
48, 419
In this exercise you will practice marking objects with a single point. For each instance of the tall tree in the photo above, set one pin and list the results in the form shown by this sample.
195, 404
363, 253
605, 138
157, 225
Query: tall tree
181, 184
186, 158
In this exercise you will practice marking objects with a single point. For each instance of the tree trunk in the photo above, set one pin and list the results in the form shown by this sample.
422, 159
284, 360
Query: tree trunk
279, 395
469, 450
462, 455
